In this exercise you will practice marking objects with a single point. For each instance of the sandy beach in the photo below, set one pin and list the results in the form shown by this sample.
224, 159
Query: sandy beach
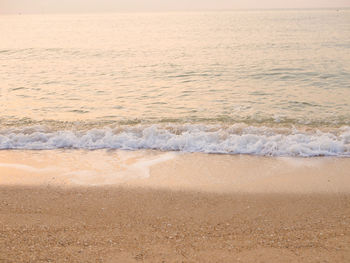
174, 131
148, 206
46, 224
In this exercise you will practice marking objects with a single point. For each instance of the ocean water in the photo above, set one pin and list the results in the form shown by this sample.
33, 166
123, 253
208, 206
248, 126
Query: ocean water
273, 83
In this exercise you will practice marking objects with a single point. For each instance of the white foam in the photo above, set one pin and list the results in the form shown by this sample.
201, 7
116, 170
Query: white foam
142, 166
236, 139
138, 168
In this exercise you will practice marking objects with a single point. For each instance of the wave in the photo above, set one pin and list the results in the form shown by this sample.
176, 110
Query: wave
234, 139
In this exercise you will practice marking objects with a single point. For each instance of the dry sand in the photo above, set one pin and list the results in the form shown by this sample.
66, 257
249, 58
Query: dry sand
50, 224
161, 207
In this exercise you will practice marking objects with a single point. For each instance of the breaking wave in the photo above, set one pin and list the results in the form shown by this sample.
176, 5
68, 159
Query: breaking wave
234, 139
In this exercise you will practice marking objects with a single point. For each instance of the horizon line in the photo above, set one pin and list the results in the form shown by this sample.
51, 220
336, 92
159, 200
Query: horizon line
176, 11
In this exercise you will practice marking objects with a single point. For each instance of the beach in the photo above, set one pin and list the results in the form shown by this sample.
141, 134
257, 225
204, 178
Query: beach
48, 224
174, 136
258, 209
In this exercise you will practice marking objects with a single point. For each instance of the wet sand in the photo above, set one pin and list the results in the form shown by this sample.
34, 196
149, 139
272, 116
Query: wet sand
99, 206
50, 224
212, 173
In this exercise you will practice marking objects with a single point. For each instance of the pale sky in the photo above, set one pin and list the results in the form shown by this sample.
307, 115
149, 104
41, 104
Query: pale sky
82, 6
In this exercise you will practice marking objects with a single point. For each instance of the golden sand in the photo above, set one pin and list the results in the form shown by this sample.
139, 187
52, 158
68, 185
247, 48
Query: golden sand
155, 207
40, 224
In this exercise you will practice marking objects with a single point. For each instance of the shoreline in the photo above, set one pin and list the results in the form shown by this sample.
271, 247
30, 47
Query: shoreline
116, 224
175, 171
151, 206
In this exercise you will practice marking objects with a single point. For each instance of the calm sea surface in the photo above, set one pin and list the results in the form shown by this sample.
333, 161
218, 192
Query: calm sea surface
178, 81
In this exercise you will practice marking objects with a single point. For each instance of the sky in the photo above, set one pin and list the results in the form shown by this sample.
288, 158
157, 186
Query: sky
83, 6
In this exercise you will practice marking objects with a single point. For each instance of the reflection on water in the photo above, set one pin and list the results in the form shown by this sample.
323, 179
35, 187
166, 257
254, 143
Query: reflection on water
198, 172
77, 167
252, 66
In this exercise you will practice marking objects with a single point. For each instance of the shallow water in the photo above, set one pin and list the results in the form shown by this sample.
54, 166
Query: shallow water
175, 171
64, 75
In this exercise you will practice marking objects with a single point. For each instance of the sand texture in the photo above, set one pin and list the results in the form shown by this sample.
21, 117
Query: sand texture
48, 224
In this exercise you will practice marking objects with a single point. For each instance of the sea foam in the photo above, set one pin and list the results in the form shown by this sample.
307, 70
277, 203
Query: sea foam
235, 139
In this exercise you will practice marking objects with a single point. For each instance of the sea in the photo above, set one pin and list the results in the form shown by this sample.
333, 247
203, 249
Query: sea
256, 82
